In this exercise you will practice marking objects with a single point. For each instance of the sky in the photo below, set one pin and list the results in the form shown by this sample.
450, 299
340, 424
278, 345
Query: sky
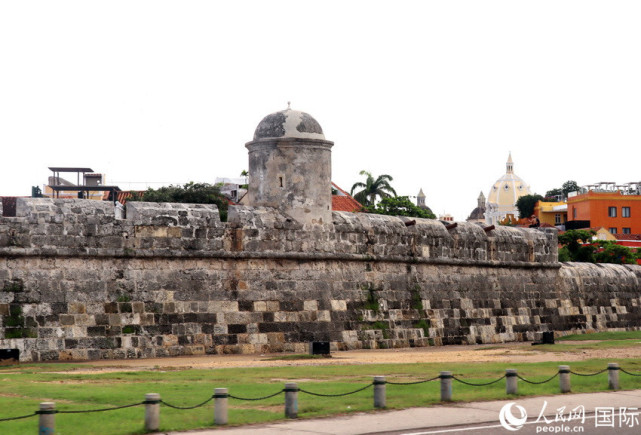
435, 94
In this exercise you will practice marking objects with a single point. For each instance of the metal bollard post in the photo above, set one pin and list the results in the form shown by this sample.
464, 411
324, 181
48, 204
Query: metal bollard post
47, 419
511, 381
379, 392
291, 400
220, 406
152, 412
446, 386
564, 379
613, 376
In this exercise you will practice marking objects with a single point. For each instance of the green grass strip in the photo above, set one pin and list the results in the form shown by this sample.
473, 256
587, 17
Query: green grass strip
24, 387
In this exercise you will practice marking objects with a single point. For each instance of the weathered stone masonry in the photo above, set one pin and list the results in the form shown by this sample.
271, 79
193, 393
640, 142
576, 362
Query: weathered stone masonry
171, 279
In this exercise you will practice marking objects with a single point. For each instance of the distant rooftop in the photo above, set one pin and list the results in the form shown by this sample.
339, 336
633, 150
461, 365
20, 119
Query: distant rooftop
67, 169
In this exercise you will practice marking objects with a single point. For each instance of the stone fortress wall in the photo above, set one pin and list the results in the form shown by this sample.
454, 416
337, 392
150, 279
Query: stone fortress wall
171, 279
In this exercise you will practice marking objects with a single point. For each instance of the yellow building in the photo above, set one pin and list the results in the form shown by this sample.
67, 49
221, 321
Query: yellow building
552, 213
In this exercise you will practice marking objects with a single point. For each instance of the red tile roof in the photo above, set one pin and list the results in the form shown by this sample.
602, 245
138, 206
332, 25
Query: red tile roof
344, 202
635, 237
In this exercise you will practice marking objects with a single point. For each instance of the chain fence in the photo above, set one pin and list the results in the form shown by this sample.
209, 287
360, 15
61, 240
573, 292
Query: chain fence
152, 402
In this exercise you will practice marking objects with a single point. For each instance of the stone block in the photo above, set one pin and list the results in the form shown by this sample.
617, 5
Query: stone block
67, 319
310, 305
338, 305
76, 308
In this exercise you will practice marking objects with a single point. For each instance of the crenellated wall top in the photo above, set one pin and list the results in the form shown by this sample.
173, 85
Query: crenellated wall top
90, 228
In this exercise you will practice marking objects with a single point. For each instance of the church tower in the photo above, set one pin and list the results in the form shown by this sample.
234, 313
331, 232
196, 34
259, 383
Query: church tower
420, 199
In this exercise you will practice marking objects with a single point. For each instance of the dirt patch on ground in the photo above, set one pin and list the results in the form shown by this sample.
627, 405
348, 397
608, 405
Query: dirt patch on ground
513, 352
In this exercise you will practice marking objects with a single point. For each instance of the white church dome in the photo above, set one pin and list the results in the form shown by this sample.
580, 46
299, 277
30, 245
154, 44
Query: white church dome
505, 192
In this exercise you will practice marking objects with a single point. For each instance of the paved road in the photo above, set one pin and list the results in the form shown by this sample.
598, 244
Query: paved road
605, 413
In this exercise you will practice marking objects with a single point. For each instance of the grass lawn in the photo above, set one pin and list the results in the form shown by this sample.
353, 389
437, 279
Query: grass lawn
23, 388
617, 335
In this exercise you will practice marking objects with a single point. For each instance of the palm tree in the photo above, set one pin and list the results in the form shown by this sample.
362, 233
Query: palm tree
372, 188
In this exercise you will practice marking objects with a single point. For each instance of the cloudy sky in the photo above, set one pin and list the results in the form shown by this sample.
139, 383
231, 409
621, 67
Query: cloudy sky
435, 94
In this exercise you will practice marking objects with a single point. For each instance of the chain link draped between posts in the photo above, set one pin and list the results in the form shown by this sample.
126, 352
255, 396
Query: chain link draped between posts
61, 411
629, 373
589, 374
477, 385
536, 382
335, 395
18, 418
187, 407
414, 382
256, 398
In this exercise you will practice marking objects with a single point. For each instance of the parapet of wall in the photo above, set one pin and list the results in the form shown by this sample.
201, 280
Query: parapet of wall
86, 227
171, 279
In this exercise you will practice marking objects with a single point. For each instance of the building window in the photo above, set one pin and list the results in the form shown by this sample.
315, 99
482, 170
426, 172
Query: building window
573, 212
557, 219
612, 212
625, 211
626, 231
613, 230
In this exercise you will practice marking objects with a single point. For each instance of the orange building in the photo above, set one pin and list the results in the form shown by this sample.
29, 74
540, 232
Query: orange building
613, 210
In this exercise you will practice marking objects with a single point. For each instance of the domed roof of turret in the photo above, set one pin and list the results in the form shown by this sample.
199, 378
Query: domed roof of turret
289, 123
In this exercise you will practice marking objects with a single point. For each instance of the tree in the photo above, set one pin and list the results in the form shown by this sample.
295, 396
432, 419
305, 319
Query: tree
525, 204
372, 188
399, 206
553, 193
610, 252
577, 246
568, 186
245, 174
193, 193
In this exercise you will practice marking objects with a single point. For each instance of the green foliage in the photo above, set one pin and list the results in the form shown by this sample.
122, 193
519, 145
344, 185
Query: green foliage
552, 194
14, 286
245, 174
525, 204
372, 188
399, 206
129, 329
610, 252
416, 302
191, 193
568, 186
564, 255
424, 325
379, 325
577, 244
13, 333
371, 303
